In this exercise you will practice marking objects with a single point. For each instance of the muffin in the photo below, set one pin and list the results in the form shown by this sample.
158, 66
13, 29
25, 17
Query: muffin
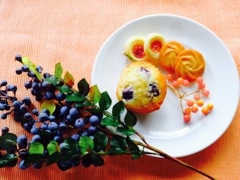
189, 65
168, 55
142, 87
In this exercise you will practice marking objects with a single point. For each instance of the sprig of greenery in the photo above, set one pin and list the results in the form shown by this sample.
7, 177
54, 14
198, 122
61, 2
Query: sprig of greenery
89, 151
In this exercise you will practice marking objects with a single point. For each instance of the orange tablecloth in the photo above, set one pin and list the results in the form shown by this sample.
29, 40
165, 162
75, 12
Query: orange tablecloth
49, 31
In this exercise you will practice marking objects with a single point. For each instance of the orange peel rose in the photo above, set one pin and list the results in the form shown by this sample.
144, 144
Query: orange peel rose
189, 65
168, 55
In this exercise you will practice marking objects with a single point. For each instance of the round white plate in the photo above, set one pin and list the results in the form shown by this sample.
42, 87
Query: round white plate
165, 128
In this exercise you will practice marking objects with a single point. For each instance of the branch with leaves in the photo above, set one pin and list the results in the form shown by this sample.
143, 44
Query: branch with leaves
72, 127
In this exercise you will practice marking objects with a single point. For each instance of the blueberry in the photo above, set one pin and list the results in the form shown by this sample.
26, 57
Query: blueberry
60, 96
18, 58
2, 107
46, 111
75, 137
43, 117
57, 138
79, 123
45, 84
35, 112
39, 97
5, 130
4, 116
75, 161
52, 126
28, 116
154, 90
37, 165
92, 129
73, 112
36, 138
3, 83
34, 129
52, 118
62, 125
26, 126
94, 120
69, 119
31, 74
18, 71
25, 68
127, 93
23, 154
23, 108
64, 165
22, 141
16, 104
12, 88
39, 69
49, 95
26, 101
85, 133
64, 111
44, 126
35, 85
22, 166
46, 75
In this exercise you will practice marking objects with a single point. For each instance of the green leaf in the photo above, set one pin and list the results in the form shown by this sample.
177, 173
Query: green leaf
31, 66
8, 160
32, 158
36, 148
133, 148
68, 79
105, 101
58, 70
49, 105
86, 144
100, 141
116, 151
97, 160
76, 97
110, 121
8, 142
83, 87
118, 109
65, 89
69, 147
52, 80
118, 142
54, 157
95, 94
126, 131
130, 119
52, 147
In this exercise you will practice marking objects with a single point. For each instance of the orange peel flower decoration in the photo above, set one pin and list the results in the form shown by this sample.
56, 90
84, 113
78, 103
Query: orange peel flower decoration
168, 55
189, 65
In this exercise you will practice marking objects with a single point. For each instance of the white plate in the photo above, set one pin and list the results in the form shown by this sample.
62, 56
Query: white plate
165, 128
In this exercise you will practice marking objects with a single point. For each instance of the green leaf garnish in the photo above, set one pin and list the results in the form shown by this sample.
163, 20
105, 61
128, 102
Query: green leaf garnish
31, 66
8, 160
118, 109
83, 87
52, 80
105, 101
95, 94
53, 147
58, 70
126, 131
36, 148
100, 141
8, 142
97, 160
110, 121
130, 119
49, 105
54, 157
68, 79
76, 97
86, 144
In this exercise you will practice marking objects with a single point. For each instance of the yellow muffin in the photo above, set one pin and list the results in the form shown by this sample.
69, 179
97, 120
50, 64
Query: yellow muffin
142, 87
189, 65
168, 55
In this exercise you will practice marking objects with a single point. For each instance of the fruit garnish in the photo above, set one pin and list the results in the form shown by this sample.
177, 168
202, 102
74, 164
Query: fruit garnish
134, 49
194, 99
152, 46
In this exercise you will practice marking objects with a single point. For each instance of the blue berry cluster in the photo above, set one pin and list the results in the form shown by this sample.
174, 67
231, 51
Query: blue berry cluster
45, 126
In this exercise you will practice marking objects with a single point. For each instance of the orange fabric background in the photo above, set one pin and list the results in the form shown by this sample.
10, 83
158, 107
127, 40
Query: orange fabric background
72, 31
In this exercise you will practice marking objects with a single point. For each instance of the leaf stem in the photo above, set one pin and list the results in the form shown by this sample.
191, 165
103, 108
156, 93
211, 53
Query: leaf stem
163, 154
